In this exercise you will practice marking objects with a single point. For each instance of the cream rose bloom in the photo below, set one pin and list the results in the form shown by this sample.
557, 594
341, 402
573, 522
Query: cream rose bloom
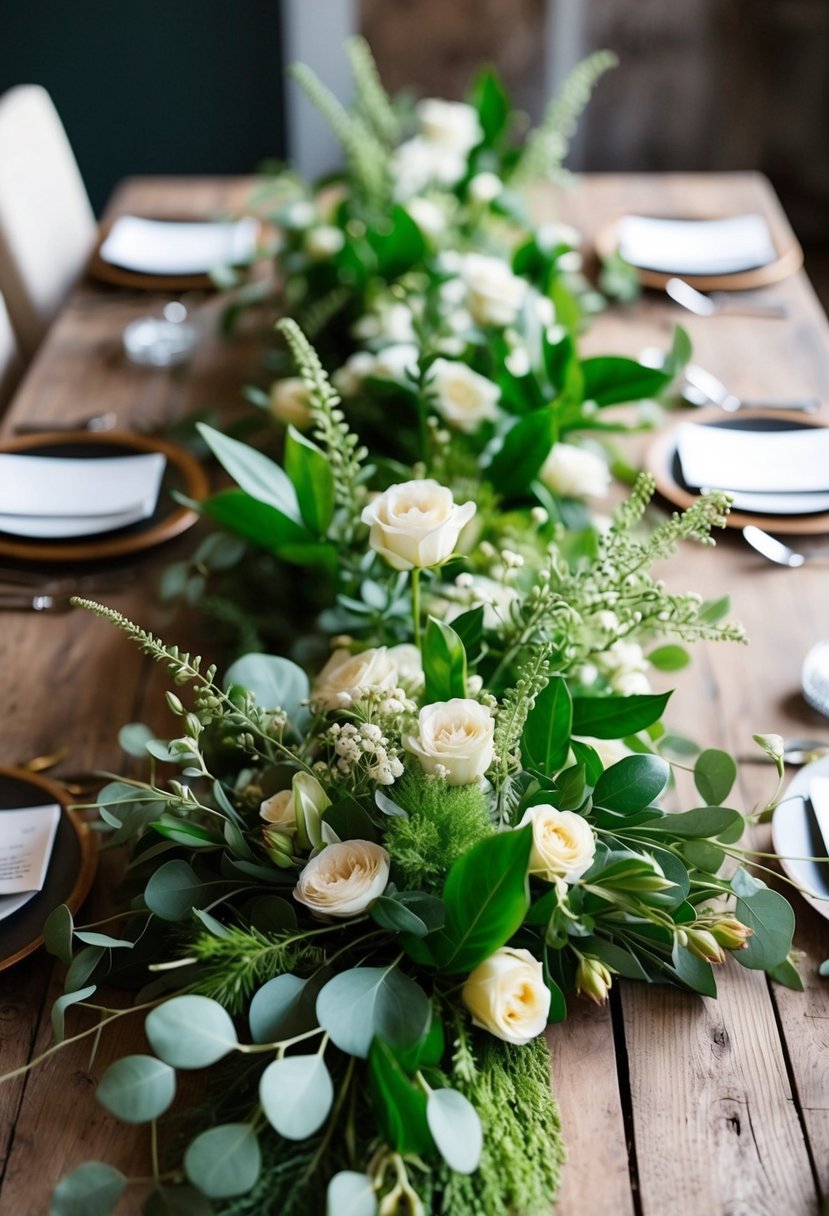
507, 996
416, 524
574, 472
454, 739
429, 217
289, 402
278, 810
408, 663
397, 362
463, 397
420, 162
323, 242
452, 124
344, 878
345, 676
563, 843
485, 187
493, 293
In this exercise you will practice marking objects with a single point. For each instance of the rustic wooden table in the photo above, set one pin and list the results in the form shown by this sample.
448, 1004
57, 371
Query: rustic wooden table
672, 1105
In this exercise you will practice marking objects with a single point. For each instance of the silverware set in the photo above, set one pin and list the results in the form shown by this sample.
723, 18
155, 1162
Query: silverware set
727, 303
702, 388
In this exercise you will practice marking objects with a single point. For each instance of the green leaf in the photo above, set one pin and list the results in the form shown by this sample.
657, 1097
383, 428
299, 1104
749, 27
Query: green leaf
173, 890
276, 683
312, 478
350, 1194
589, 759
444, 663
787, 974
57, 933
615, 717
413, 912
489, 97
224, 1161
669, 658
269, 529
523, 451
254, 473
632, 783
469, 627
694, 972
714, 774
103, 939
399, 246
702, 823
350, 820
270, 913
679, 354
137, 1088
283, 1007
613, 379
771, 920
704, 855
456, 1129
63, 1003
714, 610
486, 896
190, 1031
546, 738
363, 1002
296, 1093
191, 835
93, 1189
399, 1104
82, 966
134, 737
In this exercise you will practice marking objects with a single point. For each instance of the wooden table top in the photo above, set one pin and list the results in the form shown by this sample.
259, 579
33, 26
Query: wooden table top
672, 1105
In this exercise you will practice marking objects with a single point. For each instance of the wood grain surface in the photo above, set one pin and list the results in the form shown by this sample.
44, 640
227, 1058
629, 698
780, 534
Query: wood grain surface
671, 1105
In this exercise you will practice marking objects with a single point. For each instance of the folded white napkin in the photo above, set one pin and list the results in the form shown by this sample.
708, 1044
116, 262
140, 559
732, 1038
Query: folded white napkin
58, 496
175, 247
706, 247
26, 840
789, 468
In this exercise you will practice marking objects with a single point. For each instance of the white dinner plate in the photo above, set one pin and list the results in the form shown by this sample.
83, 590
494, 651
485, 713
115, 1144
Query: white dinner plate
178, 247
796, 838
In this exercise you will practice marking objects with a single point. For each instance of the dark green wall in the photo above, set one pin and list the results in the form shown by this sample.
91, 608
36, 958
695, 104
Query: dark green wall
153, 86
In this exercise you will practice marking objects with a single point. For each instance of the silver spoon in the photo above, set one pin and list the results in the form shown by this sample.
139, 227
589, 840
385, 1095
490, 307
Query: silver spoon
703, 388
776, 551
90, 422
723, 302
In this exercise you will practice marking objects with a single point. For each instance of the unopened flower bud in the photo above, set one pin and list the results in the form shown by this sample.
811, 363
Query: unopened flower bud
594, 980
279, 847
705, 946
731, 933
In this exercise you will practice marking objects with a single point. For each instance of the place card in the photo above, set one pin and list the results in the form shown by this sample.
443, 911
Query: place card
760, 462
696, 247
26, 839
174, 247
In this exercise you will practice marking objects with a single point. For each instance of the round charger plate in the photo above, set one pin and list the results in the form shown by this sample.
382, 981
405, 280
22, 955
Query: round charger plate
183, 473
71, 868
789, 260
662, 461
120, 276
796, 838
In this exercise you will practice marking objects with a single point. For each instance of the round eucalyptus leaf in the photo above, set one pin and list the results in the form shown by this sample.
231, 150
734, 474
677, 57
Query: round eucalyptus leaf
173, 890
93, 1189
358, 1004
224, 1161
275, 1010
137, 1088
276, 683
296, 1095
350, 1194
134, 738
456, 1129
190, 1031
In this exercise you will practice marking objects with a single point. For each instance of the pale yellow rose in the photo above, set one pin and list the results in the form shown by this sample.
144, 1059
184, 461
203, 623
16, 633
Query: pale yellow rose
454, 740
346, 676
279, 810
416, 523
507, 996
462, 397
289, 402
563, 843
344, 878
574, 472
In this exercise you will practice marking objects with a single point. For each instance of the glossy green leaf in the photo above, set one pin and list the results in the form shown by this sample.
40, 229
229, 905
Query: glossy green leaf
714, 774
523, 450
137, 1088
296, 1093
614, 717
469, 627
489, 97
613, 379
310, 472
409, 912
264, 526
399, 1104
456, 1129
444, 663
546, 738
224, 1161
363, 1002
190, 1031
253, 472
350, 820
486, 896
93, 1189
695, 972
276, 683
702, 823
632, 783
669, 658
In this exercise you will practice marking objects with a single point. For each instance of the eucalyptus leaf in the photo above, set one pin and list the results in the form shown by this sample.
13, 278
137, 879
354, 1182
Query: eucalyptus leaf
350, 1194
276, 683
63, 1003
714, 774
283, 1007
255, 474
173, 890
93, 1189
695, 973
787, 974
632, 783
57, 933
771, 920
82, 966
137, 1088
134, 737
363, 1002
190, 1031
224, 1161
296, 1093
90, 938
456, 1129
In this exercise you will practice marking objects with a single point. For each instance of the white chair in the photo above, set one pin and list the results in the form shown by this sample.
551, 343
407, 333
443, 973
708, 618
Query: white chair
47, 228
11, 364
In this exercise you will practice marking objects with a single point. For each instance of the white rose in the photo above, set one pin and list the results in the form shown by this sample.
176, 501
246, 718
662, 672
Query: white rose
397, 362
408, 663
344, 878
456, 737
345, 677
574, 472
416, 523
323, 242
497, 600
289, 402
507, 996
451, 124
279, 810
463, 397
419, 163
485, 187
563, 843
494, 293
348, 379
609, 751
631, 684
624, 665
299, 215
428, 216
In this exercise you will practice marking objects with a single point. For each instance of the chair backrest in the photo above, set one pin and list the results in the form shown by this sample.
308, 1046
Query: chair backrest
47, 228
11, 364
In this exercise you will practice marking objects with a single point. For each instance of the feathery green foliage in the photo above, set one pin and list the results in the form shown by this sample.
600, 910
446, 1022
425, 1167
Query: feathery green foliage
443, 822
233, 966
371, 102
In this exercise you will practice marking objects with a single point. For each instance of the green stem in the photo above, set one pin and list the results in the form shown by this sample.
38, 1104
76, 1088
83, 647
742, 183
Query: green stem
416, 605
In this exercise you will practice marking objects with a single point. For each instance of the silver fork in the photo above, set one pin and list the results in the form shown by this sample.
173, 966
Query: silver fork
40, 601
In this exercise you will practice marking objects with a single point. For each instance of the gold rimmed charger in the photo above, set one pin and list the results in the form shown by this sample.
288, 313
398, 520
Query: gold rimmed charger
71, 866
183, 473
662, 461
